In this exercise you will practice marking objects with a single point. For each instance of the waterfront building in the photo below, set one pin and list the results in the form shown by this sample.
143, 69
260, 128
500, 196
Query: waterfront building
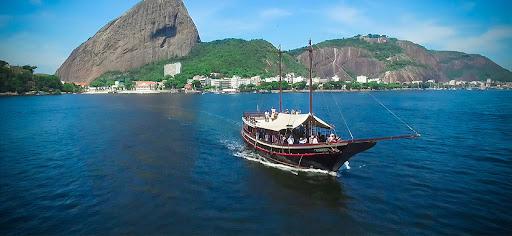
145, 85
204, 80
375, 80
256, 80
297, 79
362, 79
221, 83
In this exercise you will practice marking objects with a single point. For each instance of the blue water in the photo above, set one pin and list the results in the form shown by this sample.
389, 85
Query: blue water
155, 164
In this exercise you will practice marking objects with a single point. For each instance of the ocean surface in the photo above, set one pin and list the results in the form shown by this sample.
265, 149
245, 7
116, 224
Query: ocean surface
175, 164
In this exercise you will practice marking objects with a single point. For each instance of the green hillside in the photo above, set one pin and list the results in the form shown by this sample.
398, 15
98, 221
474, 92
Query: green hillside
228, 57
21, 80
457, 65
380, 51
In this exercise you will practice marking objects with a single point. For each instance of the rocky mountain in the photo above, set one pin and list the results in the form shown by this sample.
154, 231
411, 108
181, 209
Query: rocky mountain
151, 31
396, 60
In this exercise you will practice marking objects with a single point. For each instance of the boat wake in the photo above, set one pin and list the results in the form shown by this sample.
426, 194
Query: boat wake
240, 150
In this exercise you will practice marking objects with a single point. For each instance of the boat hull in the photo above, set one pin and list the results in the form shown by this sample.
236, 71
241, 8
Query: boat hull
324, 157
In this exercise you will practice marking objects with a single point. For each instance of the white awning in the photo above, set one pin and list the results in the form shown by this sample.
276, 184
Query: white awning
291, 121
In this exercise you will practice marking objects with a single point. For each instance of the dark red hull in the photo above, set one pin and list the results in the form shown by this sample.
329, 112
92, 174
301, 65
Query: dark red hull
328, 157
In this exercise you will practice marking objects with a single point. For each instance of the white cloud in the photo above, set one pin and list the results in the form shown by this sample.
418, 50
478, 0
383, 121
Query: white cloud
492, 40
344, 14
422, 32
272, 13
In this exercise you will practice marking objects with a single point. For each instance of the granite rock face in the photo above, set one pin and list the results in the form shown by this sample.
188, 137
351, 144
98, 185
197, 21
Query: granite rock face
330, 61
152, 30
347, 62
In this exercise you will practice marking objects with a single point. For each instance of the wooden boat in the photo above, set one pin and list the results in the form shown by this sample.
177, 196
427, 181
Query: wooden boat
300, 140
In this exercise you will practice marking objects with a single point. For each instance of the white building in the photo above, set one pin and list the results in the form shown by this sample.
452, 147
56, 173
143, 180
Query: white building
256, 80
362, 79
221, 83
145, 85
335, 78
316, 80
299, 79
236, 81
172, 69
375, 80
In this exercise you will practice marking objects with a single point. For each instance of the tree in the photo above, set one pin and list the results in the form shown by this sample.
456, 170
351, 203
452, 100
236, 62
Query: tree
299, 85
196, 84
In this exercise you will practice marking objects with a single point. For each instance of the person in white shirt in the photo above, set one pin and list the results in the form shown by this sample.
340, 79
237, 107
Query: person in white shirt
315, 140
290, 140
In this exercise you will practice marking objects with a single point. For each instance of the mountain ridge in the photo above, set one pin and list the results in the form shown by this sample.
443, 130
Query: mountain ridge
396, 60
157, 31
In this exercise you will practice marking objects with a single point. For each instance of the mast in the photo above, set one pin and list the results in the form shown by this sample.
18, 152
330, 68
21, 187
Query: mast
280, 80
310, 49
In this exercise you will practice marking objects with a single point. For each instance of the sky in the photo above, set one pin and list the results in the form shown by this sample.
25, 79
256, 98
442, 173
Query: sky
44, 32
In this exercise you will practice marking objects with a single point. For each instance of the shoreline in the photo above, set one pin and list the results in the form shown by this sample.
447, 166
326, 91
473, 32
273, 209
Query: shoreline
14, 94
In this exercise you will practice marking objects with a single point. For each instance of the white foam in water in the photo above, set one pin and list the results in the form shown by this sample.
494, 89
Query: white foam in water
347, 165
239, 150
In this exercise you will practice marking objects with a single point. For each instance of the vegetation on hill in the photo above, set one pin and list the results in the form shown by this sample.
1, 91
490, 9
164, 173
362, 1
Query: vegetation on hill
457, 65
21, 79
400, 64
228, 57
380, 51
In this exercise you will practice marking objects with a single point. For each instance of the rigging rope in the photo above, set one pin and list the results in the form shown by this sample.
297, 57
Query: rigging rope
343, 117
335, 100
392, 113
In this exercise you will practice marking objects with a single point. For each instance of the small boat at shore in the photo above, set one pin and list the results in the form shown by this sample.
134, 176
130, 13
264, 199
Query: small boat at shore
302, 141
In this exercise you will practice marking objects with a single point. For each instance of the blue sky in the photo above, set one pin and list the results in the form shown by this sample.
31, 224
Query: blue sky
44, 32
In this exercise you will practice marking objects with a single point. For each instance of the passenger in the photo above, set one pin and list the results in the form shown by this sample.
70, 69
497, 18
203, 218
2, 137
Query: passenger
303, 140
273, 115
315, 140
291, 140
311, 139
267, 116
331, 138
267, 137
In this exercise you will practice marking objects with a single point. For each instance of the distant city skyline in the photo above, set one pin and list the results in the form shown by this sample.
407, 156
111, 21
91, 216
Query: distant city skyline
44, 32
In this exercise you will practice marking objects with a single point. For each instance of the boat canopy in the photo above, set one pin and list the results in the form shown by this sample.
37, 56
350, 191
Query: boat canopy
291, 121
